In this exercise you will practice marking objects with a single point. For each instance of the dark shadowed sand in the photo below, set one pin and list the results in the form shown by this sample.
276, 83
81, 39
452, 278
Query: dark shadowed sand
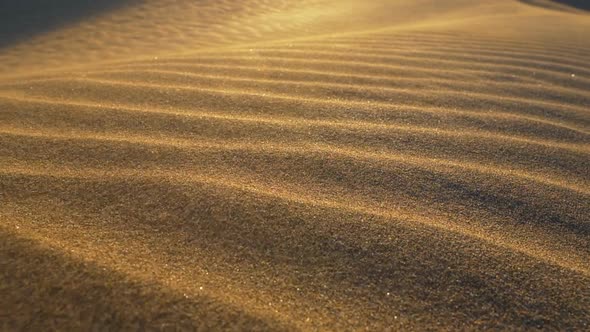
295, 165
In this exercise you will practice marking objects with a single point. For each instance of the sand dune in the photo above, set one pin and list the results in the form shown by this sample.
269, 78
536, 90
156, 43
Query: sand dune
296, 165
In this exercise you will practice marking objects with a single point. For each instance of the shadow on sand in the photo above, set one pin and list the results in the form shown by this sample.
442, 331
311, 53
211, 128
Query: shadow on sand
23, 19
578, 4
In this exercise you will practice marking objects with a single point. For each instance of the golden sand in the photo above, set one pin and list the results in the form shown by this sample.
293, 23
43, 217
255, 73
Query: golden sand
296, 165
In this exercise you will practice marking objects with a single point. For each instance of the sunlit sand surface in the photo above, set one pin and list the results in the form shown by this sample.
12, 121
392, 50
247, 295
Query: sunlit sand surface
295, 165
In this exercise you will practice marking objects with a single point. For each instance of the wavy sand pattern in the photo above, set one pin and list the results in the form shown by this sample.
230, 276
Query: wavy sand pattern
297, 165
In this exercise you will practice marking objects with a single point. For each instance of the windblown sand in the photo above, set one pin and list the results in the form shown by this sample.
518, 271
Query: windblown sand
298, 165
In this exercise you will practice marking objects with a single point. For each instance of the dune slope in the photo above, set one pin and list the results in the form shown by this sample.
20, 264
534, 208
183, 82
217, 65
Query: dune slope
298, 165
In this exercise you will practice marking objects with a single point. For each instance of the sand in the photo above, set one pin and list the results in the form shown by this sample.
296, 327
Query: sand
295, 165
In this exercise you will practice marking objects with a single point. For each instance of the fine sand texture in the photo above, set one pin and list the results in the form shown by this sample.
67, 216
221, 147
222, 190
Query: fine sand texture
329, 165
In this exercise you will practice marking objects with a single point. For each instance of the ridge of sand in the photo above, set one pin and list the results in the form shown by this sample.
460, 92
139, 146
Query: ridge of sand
298, 165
